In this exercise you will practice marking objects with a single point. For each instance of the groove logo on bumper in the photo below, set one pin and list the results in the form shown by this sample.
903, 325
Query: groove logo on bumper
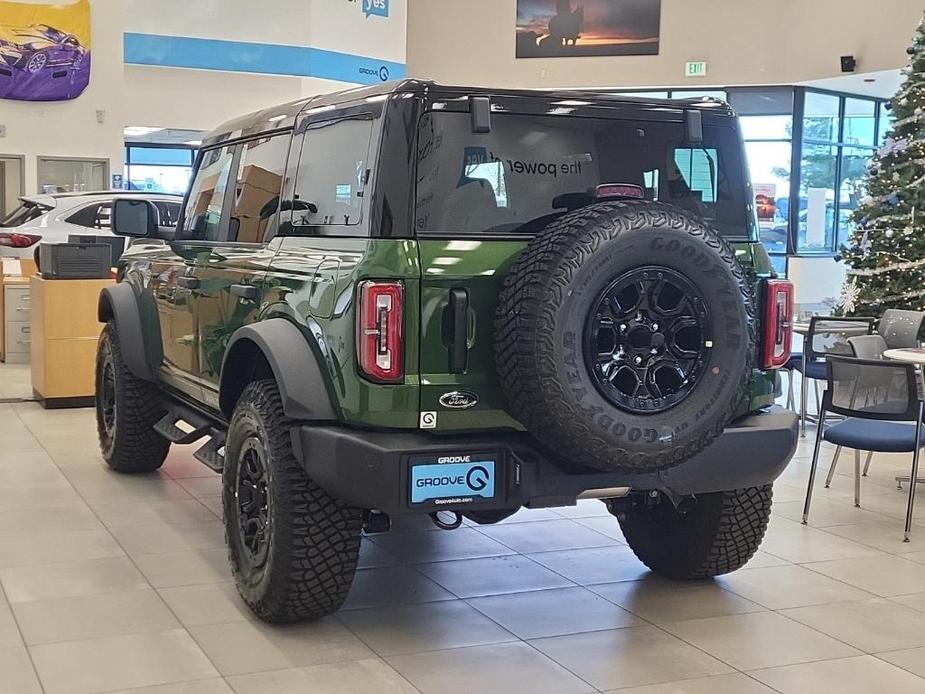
453, 483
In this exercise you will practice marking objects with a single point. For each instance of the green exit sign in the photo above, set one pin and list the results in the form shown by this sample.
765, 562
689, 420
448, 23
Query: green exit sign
696, 69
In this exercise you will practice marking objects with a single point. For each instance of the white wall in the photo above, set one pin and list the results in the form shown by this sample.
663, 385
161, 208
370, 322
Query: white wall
185, 98
201, 99
743, 42
70, 128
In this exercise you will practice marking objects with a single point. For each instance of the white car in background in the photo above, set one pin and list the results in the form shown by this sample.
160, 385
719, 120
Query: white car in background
54, 217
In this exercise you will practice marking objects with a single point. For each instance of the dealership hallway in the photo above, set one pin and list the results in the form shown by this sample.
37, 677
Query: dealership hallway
112, 583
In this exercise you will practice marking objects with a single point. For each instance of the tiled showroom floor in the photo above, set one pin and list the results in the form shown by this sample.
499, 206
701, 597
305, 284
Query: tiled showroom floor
113, 582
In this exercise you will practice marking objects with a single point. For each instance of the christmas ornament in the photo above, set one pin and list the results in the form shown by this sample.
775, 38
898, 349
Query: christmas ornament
849, 296
893, 146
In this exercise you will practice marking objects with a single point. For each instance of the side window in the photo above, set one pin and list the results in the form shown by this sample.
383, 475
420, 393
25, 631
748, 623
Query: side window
332, 174
93, 216
257, 189
202, 220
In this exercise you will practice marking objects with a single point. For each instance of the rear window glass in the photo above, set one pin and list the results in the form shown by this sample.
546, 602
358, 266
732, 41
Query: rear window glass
22, 214
531, 169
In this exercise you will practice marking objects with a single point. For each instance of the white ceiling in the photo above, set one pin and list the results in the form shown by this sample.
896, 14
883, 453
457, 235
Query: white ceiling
163, 136
883, 84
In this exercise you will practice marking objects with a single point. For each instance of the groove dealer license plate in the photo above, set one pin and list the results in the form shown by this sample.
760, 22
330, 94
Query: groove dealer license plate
453, 479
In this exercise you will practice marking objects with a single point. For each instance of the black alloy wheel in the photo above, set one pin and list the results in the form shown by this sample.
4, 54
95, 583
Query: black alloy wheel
648, 339
253, 502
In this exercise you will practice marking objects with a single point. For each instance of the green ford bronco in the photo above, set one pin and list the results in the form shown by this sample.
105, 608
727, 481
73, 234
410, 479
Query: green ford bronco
423, 299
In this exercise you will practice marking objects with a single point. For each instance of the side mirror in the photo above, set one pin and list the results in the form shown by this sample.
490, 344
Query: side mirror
135, 218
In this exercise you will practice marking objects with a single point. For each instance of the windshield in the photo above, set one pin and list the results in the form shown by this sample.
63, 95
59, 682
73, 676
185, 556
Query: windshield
26, 212
531, 169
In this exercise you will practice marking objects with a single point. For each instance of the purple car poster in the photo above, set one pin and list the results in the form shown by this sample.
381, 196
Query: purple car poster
585, 28
44, 50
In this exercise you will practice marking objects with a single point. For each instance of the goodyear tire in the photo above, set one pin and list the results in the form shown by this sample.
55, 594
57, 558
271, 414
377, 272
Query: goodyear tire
718, 535
625, 336
293, 548
127, 408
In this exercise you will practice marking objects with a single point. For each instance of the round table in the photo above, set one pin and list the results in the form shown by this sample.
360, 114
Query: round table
911, 355
847, 328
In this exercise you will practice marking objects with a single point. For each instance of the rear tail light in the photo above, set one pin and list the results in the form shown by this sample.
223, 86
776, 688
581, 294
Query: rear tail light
14, 240
379, 331
777, 323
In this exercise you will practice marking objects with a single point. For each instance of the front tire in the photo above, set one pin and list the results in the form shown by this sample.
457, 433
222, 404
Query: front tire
127, 408
717, 536
293, 548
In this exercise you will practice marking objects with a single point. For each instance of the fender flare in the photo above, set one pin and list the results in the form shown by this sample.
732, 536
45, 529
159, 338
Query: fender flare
120, 304
295, 366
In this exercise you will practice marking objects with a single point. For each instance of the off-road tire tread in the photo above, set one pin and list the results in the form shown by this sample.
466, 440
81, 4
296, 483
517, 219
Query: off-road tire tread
316, 539
137, 447
731, 537
524, 344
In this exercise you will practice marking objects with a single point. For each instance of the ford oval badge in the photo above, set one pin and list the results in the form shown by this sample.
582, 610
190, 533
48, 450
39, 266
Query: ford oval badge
459, 400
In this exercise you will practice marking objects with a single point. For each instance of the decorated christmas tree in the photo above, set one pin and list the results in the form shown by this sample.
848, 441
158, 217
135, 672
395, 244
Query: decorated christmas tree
886, 251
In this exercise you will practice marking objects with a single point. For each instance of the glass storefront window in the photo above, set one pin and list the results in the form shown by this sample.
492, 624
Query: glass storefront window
695, 94
886, 122
169, 156
820, 117
159, 179
769, 166
860, 123
766, 127
852, 189
816, 218
158, 169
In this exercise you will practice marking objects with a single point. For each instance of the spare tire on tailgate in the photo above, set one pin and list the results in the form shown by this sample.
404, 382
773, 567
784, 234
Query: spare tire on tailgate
625, 336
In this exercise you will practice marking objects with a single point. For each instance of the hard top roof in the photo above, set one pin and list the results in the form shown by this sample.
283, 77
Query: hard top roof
284, 116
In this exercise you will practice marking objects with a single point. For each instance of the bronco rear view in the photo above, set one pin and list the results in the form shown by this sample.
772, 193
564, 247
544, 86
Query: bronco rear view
421, 299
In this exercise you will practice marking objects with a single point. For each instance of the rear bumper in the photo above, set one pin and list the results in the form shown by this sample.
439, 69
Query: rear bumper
372, 469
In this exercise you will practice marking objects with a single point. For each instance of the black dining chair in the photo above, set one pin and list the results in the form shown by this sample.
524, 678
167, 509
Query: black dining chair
827, 335
883, 411
900, 329
869, 347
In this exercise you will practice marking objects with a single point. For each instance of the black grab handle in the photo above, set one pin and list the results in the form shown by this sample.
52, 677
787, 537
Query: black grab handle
459, 344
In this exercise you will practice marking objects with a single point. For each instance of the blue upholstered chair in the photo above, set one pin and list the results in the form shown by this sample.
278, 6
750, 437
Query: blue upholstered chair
827, 335
870, 347
883, 412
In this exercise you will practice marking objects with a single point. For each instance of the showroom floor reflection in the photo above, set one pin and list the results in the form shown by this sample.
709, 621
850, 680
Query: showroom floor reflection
112, 583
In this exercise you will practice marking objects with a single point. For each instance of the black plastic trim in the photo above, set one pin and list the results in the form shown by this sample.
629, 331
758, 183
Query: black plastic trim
294, 364
119, 303
370, 469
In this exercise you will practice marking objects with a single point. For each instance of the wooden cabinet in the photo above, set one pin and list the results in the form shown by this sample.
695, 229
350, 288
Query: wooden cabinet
65, 331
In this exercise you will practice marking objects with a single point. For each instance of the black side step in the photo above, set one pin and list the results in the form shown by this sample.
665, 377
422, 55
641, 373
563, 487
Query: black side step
167, 425
212, 453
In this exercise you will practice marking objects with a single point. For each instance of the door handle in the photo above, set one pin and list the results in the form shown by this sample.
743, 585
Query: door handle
459, 342
189, 282
248, 292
